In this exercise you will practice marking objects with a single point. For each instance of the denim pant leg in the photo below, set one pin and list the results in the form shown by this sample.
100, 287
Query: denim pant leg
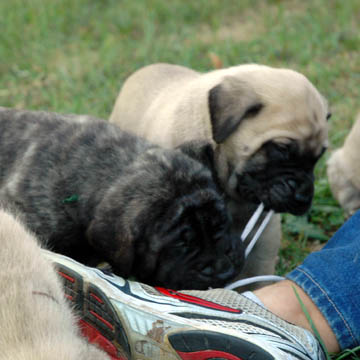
331, 277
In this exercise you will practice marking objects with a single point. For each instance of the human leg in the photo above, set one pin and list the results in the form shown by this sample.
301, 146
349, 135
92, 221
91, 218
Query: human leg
328, 281
280, 298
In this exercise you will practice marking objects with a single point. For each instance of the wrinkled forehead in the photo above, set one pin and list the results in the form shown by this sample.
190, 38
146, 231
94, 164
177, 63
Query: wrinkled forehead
306, 128
280, 85
283, 123
296, 111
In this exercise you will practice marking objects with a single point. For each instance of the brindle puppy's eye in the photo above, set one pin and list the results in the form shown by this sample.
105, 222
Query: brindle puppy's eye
219, 230
186, 239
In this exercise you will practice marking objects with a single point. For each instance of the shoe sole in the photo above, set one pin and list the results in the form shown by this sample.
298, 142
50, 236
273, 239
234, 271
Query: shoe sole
102, 325
98, 319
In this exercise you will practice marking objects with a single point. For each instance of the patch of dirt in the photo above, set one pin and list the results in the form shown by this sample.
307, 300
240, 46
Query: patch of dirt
158, 331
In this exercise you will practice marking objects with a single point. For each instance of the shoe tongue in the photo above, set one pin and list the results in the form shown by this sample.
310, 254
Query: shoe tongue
251, 296
251, 280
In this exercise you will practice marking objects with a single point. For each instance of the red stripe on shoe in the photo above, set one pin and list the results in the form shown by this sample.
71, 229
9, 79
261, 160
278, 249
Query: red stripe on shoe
101, 319
96, 298
95, 337
196, 300
66, 276
207, 354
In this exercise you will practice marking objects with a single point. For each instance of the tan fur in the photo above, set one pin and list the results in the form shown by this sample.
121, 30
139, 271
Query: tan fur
168, 104
35, 321
343, 169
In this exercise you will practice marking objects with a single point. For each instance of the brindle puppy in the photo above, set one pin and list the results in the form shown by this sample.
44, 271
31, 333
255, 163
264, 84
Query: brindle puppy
94, 192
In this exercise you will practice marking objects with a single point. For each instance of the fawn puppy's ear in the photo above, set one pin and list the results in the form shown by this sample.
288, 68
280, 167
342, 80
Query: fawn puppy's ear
230, 102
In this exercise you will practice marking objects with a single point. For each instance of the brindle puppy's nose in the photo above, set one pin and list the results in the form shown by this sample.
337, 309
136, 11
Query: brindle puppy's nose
224, 269
221, 269
208, 271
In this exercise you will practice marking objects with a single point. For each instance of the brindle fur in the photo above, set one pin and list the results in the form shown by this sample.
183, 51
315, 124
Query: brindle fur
94, 192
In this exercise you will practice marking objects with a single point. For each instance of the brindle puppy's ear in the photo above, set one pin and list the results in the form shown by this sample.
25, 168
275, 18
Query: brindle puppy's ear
201, 151
230, 102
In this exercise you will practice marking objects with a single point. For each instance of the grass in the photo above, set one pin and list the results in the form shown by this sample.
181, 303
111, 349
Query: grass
72, 57
312, 325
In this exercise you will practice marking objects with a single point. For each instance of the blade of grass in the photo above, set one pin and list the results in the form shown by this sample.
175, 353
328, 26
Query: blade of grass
349, 352
313, 327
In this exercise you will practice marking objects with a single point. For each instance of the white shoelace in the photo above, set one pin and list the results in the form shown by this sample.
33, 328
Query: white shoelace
247, 230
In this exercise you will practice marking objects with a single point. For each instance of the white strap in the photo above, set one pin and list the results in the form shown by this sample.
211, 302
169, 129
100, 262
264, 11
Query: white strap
247, 230
252, 222
258, 233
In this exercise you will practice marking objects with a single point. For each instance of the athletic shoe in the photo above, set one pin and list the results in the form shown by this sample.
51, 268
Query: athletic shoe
130, 320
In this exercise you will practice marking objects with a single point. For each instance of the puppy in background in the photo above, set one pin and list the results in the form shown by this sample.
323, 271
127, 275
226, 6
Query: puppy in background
343, 170
267, 126
96, 193
36, 322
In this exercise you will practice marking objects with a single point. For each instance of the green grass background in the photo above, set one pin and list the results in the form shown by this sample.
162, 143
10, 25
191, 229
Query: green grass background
71, 56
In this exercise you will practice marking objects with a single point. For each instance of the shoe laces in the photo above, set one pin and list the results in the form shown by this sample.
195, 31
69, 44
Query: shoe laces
247, 230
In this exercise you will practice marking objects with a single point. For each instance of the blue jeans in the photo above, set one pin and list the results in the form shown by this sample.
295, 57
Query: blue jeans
331, 277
